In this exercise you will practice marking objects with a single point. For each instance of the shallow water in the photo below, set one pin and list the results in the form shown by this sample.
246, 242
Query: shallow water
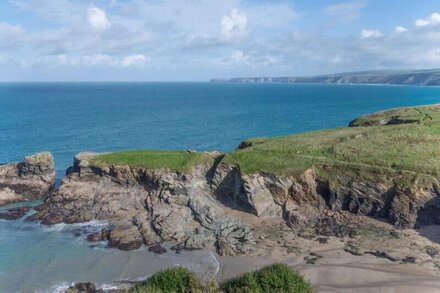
50, 258
66, 118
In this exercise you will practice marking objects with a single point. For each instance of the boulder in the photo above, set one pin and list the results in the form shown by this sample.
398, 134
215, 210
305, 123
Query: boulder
30, 179
82, 288
125, 236
13, 214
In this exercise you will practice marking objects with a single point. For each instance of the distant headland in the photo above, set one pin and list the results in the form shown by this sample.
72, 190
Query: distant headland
428, 77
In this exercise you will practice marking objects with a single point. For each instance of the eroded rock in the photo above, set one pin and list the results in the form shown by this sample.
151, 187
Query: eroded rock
28, 180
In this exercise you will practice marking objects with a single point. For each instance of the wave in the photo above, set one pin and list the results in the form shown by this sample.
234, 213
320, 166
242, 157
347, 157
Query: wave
88, 227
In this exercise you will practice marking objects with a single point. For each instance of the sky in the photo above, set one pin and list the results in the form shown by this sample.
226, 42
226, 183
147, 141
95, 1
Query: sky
195, 40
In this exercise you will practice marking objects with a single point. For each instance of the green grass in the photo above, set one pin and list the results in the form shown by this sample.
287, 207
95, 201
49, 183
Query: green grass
274, 278
179, 161
407, 154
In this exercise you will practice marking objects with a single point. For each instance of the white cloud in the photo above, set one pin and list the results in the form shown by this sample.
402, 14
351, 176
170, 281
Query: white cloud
133, 60
346, 11
400, 29
233, 24
371, 34
433, 19
97, 18
11, 35
93, 60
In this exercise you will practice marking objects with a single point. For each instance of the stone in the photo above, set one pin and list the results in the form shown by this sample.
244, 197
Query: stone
201, 239
125, 236
157, 248
234, 237
30, 179
102, 235
149, 236
330, 227
82, 288
14, 214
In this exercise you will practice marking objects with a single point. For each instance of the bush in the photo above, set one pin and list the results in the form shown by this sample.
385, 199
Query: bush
173, 280
274, 278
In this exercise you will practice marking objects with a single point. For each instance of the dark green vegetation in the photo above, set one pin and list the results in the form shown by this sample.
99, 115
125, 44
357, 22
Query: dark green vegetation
169, 281
179, 161
274, 278
400, 145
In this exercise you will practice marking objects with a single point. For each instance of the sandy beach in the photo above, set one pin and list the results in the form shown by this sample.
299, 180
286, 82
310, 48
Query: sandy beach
337, 268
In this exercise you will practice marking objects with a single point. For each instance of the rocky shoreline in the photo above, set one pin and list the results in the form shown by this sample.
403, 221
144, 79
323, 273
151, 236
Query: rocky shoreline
31, 179
216, 206
195, 210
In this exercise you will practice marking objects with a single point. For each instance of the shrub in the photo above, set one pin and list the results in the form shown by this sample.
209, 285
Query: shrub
173, 280
274, 278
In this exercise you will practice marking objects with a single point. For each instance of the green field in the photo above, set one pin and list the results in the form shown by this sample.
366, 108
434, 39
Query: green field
407, 151
179, 161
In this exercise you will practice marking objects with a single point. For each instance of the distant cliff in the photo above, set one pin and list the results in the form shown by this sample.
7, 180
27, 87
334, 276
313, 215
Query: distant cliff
415, 77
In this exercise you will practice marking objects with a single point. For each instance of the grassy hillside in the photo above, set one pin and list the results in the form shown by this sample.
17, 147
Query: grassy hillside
408, 150
179, 161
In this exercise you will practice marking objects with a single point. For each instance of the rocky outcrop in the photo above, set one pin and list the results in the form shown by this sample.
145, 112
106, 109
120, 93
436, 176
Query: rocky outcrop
28, 180
147, 207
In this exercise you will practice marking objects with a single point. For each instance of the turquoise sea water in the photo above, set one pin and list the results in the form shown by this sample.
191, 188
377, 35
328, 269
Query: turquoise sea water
66, 118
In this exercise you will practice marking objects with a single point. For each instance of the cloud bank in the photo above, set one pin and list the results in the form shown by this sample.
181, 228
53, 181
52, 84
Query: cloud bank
196, 40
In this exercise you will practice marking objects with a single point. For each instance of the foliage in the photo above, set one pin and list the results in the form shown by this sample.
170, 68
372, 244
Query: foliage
274, 278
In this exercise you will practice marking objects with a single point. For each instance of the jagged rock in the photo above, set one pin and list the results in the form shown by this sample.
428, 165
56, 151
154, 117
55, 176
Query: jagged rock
202, 239
383, 254
29, 180
261, 194
82, 288
157, 248
431, 251
409, 259
148, 206
125, 236
234, 237
102, 235
330, 227
171, 224
149, 236
13, 214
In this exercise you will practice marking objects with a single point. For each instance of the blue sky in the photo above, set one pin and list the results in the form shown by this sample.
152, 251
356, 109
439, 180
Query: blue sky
186, 40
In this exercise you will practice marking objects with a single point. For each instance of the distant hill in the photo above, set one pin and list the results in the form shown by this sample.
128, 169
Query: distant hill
409, 77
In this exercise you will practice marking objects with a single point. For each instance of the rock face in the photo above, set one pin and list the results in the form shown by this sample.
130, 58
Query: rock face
146, 207
192, 209
28, 180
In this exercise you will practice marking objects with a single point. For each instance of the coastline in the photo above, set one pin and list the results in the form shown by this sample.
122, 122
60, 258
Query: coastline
325, 212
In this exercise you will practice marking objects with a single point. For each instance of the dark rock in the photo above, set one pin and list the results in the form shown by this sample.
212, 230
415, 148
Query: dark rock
383, 254
82, 288
431, 251
13, 214
409, 259
322, 240
102, 235
157, 248
330, 227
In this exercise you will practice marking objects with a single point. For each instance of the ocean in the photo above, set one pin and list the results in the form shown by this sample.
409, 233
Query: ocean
67, 118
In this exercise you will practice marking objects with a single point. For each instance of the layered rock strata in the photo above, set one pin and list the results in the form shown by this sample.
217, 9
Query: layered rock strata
28, 180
